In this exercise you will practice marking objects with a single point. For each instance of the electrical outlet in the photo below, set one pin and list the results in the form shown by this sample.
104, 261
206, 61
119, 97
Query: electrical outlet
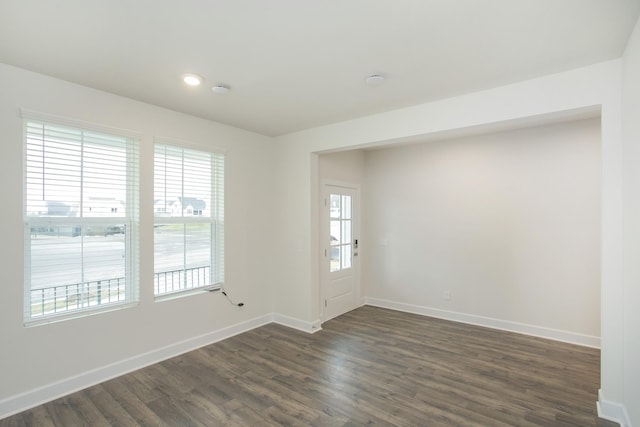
446, 295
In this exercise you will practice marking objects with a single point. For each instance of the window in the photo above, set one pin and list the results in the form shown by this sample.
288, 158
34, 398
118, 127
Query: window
340, 229
189, 219
81, 219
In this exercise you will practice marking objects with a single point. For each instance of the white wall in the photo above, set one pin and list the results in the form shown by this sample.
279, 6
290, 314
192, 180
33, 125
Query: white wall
39, 356
509, 223
344, 166
555, 95
631, 192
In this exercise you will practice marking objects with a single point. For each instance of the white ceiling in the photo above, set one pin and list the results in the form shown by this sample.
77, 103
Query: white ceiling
296, 64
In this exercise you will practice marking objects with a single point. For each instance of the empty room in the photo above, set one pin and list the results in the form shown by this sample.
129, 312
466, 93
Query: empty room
326, 213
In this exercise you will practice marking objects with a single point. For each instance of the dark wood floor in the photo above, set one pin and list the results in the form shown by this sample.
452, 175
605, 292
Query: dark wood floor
369, 366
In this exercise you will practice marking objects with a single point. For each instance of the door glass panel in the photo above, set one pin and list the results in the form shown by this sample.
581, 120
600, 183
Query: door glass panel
346, 256
340, 232
334, 206
346, 207
346, 232
335, 237
334, 260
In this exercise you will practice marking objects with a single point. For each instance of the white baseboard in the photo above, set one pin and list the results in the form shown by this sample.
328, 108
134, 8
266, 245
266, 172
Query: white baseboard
612, 411
29, 399
505, 325
301, 325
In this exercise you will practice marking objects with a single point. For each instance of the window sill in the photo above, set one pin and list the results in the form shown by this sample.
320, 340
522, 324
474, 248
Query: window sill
78, 314
188, 292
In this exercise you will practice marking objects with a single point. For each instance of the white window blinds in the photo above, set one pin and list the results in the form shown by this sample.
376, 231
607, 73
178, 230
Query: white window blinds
189, 219
81, 218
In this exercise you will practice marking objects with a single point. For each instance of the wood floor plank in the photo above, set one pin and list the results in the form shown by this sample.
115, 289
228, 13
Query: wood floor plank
16, 421
86, 411
200, 406
38, 416
62, 414
369, 366
109, 408
123, 392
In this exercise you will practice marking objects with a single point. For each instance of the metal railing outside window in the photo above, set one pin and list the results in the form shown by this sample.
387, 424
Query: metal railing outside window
79, 296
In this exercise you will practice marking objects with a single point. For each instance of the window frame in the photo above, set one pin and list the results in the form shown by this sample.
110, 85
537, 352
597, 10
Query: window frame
130, 220
215, 219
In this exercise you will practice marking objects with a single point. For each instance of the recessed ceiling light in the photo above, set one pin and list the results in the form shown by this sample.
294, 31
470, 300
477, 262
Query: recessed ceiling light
374, 80
192, 79
221, 89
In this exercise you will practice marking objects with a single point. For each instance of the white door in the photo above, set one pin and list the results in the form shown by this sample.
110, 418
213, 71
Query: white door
340, 251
